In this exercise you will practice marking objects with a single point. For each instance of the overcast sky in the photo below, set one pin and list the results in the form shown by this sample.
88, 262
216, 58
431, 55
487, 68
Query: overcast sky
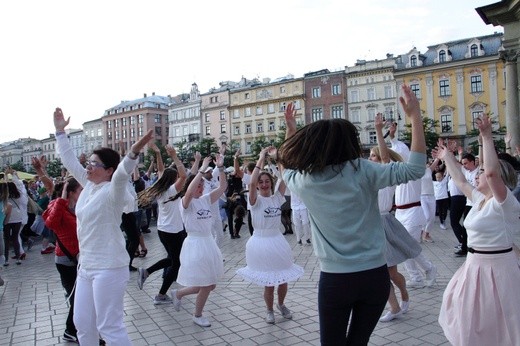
87, 56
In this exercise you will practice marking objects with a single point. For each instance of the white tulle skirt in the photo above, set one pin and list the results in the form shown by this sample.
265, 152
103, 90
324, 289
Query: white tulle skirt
481, 304
201, 261
269, 260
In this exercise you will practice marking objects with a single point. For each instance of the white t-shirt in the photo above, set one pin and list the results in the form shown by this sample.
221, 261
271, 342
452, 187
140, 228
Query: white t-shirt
266, 213
169, 215
198, 218
470, 178
441, 188
385, 199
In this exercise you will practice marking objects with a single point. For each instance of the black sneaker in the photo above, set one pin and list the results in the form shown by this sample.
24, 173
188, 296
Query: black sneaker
71, 337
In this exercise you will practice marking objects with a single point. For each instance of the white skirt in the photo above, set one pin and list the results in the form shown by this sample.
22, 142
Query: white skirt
481, 304
201, 261
269, 260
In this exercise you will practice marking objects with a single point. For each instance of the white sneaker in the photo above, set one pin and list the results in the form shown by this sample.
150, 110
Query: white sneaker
286, 313
269, 317
389, 316
160, 300
405, 306
442, 226
414, 283
201, 321
431, 276
176, 301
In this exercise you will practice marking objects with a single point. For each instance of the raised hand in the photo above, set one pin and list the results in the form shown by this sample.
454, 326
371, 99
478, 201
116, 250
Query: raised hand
409, 102
379, 123
171, 151
484, 126
219, 160
290, 119
59, 120
139, 145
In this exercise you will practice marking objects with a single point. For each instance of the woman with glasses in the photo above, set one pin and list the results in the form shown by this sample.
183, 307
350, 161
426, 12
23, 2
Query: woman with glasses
481, 304
103, 272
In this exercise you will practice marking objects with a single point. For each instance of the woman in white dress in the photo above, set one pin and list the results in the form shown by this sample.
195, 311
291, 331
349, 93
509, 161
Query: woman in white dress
268, 255
201, 260
481, 303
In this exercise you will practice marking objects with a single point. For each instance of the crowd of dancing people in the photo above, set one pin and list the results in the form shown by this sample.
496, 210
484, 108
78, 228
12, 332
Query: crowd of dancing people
363, 217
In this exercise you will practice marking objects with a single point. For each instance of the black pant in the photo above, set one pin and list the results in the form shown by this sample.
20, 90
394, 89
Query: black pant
442, 208
68, 278
172, 242
129, 226
364, 294
464, 246
457, 206
250, 222
11, 231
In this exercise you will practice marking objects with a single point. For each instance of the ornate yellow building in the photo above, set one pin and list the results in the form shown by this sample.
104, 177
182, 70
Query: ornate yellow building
456, 82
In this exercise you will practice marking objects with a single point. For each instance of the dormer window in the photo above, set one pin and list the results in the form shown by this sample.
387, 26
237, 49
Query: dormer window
473, 50
413, 61
442, 56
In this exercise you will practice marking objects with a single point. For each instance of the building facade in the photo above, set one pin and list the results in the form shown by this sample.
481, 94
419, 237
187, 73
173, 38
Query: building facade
31, 148
371, 89
92, 135
184, 118
325, 95
456, 82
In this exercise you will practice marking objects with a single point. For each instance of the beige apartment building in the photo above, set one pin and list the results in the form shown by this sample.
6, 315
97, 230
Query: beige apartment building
93, 135
184, 118
258, 109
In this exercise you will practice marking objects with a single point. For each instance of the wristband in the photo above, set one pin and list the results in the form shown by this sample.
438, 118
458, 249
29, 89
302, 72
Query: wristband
60, 133
258, 168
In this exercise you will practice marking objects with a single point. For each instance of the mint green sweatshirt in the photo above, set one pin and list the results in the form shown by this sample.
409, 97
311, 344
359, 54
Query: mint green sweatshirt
342, 202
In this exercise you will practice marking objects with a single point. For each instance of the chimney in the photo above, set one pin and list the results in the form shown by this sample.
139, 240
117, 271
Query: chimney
144, 95
153, 93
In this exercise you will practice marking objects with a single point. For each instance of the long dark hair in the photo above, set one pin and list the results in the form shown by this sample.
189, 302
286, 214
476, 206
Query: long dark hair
320, 144
166, 180
183, 191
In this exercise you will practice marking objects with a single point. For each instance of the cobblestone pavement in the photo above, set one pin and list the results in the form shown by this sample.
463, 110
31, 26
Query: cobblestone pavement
33, 308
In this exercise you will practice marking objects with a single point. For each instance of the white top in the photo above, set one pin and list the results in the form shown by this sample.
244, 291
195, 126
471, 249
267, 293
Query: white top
266, 213
98, 211
131, 203
441, 188
470, 178
400, 148
453, 189
19, 210
427, 182
406, 194
169, 214
385, 199
246, 180
198, 217
492, 227
210, 185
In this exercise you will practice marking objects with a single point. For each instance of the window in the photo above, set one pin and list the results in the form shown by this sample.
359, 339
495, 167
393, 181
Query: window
158, 131
442, 56
476, 84
248, 128
248, 147
259, 110
177, 132
354, 96
185, 130
247, 111
446, 125
444, 87
116, 123
140, 119
316, 92
282, 89
206, 117
282, 106
132, 120
416, 90
316, 114
213, 99
297, 104
124, 121
236, 113
337, 112
222, 128
99, 132
157, 119
371, 114
413, 61
236, 130
247, 96
371, 93
270, 108
222, 115
474, 116
117, 135
124, 133
208, 130
109, 124
336, 89
473, 51
354, 116
272, 126
388, 92
259, 127
372, 137
195, 128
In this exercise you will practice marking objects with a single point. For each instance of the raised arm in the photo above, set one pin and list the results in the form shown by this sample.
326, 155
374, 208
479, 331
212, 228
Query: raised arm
216, 193
40, 165
195, 166
411, 107
383, 149
188, 196
181, 170
236, 165
454, 168
253, 192
491, 164
158, 158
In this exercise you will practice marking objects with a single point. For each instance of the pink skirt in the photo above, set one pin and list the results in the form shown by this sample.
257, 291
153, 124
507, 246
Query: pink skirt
481, 304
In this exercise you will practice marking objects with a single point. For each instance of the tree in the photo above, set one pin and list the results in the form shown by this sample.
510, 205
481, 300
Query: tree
430, 134
54, 168
18, 166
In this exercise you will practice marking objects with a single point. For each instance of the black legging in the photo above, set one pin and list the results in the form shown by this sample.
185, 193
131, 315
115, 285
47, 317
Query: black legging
68, 279
11, 231
457, 206
172, 243
129, 226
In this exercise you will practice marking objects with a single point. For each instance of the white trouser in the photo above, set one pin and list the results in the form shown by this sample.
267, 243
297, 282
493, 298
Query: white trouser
98, 306
428, 205
302, 225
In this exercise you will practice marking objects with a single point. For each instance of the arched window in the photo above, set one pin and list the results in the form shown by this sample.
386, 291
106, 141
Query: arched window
413, 61
474, 50
442, 56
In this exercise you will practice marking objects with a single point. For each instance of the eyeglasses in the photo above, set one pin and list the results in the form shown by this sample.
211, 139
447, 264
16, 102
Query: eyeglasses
95, 164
